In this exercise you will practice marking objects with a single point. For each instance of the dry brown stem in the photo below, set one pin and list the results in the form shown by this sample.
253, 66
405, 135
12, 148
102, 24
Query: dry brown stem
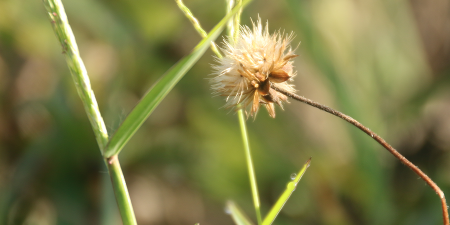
379, 140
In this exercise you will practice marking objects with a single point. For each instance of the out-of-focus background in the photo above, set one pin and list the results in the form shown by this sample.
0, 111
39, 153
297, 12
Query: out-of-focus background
385, 63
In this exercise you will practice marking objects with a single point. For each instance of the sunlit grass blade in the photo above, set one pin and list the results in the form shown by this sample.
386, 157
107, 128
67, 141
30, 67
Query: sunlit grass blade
157, 93
236, 213
290, 188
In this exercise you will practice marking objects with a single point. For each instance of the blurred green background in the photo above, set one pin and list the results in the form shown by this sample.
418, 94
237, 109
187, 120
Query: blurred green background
385, 63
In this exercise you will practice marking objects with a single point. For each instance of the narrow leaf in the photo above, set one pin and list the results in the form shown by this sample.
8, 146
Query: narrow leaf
290, 188
236, 213
160, 90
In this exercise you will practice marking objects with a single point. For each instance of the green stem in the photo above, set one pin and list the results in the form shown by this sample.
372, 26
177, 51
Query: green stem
251, 171
80, 77
237, 214
121, 192
233, 33
230, 25
237, 22
197, 25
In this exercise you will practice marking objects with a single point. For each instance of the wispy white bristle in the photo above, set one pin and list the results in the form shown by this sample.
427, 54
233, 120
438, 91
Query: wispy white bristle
257, 58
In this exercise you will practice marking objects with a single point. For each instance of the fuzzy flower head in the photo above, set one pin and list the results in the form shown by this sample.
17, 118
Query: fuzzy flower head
252, 66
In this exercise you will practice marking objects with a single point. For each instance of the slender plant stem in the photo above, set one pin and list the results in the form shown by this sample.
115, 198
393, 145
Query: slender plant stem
237, 214
251, 171
231, 24
197, 25
120, 191
380, 140
233, 34
237, 22
80, 77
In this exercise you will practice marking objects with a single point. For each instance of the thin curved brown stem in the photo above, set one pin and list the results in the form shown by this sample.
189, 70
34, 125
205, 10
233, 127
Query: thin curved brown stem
379, 140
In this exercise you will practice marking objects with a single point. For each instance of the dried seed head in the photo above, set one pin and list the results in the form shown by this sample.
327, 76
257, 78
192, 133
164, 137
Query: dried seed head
252, 65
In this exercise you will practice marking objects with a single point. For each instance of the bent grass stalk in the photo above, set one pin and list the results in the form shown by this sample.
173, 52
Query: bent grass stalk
79, 74
380, 140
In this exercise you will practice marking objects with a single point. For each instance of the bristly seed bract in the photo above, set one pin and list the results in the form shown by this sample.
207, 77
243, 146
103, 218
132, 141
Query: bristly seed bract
253, 64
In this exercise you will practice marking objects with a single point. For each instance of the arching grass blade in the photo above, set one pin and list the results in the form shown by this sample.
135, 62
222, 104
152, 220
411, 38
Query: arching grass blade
160, 90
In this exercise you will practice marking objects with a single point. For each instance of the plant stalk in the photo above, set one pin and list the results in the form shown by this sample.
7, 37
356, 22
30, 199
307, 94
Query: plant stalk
251, 171
121, 191
197, 25
237, 22
380, 140
233, 31
80, 77
233, 34
231, 24
77, 69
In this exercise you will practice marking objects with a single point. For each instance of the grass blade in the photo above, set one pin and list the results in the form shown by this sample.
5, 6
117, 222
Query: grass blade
159, 91
290, 188
236, 213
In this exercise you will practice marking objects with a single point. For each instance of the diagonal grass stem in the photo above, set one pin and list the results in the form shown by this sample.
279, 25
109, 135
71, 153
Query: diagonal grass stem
80, 77
77, 69
197, 25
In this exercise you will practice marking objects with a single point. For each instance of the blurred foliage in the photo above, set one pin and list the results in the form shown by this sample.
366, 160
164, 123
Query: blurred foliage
385, 63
